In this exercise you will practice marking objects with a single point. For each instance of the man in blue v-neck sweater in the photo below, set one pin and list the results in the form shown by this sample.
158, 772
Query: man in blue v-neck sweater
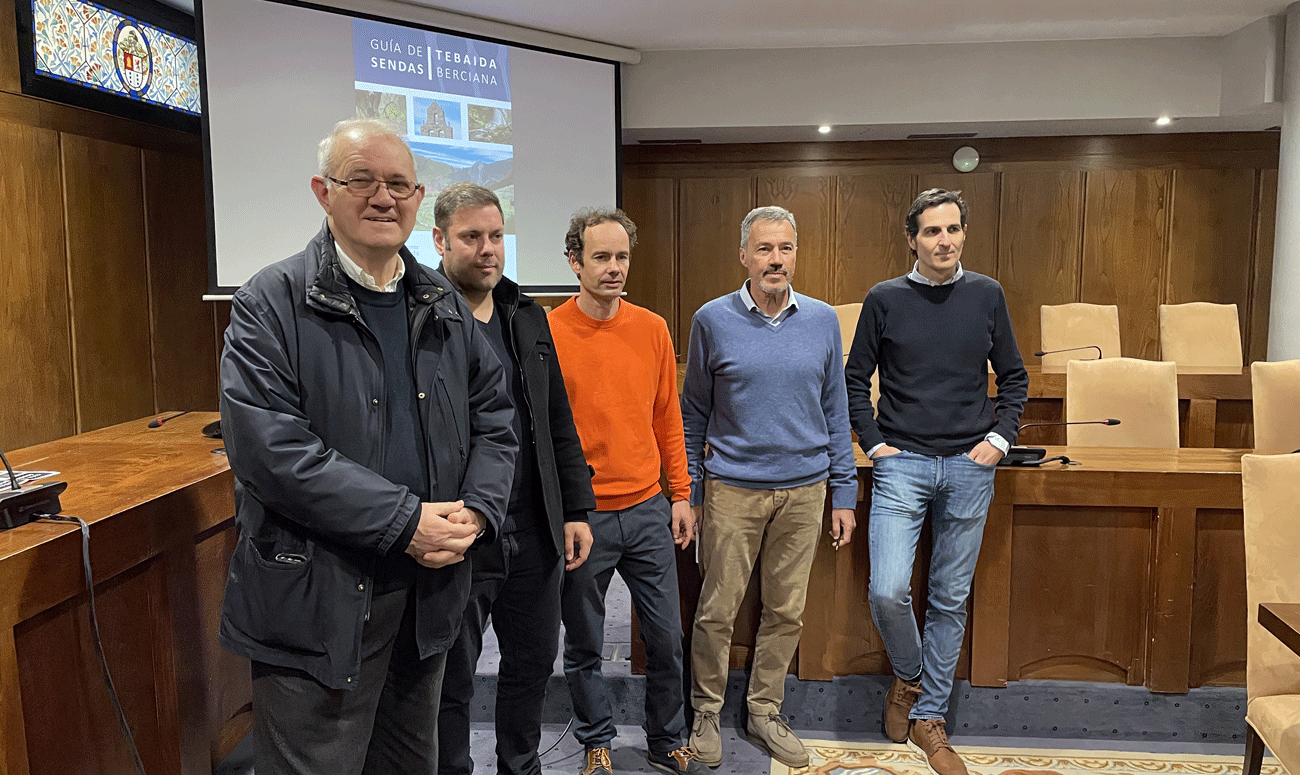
934, 448
765, 391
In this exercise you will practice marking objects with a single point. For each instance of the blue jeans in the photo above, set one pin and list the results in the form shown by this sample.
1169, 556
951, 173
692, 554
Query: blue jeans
956, 491
638, 543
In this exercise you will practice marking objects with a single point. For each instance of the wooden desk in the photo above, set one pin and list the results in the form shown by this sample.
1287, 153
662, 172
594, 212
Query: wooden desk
160, 505
1129, 568
1283, 620
1214, 409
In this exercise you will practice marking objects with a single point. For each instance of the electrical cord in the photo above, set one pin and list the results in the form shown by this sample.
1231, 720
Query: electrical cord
94, 634
559, 739
12, 478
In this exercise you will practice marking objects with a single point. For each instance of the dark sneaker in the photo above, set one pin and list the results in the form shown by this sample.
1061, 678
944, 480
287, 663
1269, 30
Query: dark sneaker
597, 763
683, 759
773, 733
706, 738
898, 704
929, 739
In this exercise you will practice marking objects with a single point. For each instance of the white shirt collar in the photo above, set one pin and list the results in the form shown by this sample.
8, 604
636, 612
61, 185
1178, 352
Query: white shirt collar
791, 301
916, 276
360, 277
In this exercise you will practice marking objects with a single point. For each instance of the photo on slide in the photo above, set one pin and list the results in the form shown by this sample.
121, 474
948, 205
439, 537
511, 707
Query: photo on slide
488, 124
438, 118
438, 166
383, 106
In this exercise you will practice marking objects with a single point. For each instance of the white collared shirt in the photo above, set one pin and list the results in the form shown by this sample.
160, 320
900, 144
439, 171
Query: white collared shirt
791, 304
360, 277
916, 276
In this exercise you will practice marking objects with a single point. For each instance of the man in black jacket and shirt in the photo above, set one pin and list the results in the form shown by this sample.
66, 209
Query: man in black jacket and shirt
516, 580
369, 431
933, 448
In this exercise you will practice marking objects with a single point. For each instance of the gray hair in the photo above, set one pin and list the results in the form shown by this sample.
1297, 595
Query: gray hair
355, 129
769, 213
594, 216
458, 195
932, 198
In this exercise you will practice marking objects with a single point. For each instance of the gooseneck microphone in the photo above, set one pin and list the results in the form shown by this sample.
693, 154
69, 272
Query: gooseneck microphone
1041, 353
158, 421
1033, 456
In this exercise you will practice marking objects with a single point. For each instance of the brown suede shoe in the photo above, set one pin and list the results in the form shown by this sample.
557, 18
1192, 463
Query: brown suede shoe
929, 739
898, 703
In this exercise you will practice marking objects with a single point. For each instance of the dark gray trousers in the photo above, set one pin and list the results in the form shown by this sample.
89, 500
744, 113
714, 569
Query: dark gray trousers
638, 543
388, 724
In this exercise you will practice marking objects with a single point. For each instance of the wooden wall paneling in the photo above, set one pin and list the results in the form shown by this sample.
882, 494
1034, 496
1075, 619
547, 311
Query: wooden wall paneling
708, 242
980, 192
184, 354
57, 663
1234, 425
13, 754
1211, 240
1218, 632
1080, 575
1256, 348
1125, 249
1039, 243
35, 333
652, 276
812, 200
10, 78
109, 281
870, 244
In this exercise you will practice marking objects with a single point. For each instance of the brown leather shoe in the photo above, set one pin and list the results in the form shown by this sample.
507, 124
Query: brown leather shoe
898, 703
929, 739
598, 762
773, 733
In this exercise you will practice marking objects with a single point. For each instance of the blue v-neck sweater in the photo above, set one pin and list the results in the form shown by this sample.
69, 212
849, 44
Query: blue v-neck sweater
769, 400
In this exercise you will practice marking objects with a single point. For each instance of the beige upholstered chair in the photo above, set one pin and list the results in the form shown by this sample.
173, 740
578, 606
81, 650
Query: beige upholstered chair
1270, 492
848, 315
1142, 395
1063, 326
1200, 337
1275, 394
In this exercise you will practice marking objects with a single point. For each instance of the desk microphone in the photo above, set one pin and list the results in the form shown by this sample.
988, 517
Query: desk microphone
158, 421
1041, 353
19, 505
1032, 456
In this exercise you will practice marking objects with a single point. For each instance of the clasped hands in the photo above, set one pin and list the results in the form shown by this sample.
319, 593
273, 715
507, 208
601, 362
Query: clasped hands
445, 532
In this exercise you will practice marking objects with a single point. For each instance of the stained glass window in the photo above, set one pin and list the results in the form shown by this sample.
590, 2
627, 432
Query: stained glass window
90, 45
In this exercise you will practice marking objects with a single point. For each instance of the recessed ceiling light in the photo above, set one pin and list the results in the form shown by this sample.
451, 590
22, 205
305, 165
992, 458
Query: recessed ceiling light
1164, 121
824, 129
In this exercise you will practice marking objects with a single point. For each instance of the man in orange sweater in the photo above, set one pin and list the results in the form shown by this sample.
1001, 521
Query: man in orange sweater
621, 375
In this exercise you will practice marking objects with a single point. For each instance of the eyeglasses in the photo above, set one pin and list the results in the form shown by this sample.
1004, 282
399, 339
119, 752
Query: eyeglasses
398, 189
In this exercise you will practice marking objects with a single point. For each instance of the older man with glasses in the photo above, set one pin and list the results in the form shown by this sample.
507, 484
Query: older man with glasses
369, 430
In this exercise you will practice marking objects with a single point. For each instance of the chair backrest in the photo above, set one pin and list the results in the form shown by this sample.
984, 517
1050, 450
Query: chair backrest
1275, 394
1063, 326
1201, 338
1142, 395
848, 315
1270, 488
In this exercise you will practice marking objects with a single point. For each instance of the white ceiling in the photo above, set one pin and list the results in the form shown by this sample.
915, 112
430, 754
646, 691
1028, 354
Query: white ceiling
726, 24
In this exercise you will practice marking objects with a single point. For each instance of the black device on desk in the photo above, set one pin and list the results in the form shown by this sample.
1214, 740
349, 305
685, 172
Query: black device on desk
19, 505
1033, 456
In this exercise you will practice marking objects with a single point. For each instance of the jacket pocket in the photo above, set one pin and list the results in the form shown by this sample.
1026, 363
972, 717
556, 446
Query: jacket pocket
278, 593
453, 415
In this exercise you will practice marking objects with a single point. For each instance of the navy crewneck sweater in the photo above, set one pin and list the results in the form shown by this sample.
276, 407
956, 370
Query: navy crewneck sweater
931, 344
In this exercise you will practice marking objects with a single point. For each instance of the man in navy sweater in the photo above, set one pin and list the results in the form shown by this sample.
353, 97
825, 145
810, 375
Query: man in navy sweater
765, 390
934, 447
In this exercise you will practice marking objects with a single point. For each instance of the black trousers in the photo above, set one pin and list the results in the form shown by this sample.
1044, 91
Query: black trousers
386, 725
516, 581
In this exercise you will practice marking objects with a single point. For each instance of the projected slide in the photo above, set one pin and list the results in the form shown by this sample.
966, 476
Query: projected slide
451, 97
536, 127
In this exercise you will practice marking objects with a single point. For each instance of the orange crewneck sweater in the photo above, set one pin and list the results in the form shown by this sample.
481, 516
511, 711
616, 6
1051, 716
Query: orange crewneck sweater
621, 375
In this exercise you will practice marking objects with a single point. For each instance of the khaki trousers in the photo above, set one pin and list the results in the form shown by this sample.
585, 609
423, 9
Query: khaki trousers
779, 529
